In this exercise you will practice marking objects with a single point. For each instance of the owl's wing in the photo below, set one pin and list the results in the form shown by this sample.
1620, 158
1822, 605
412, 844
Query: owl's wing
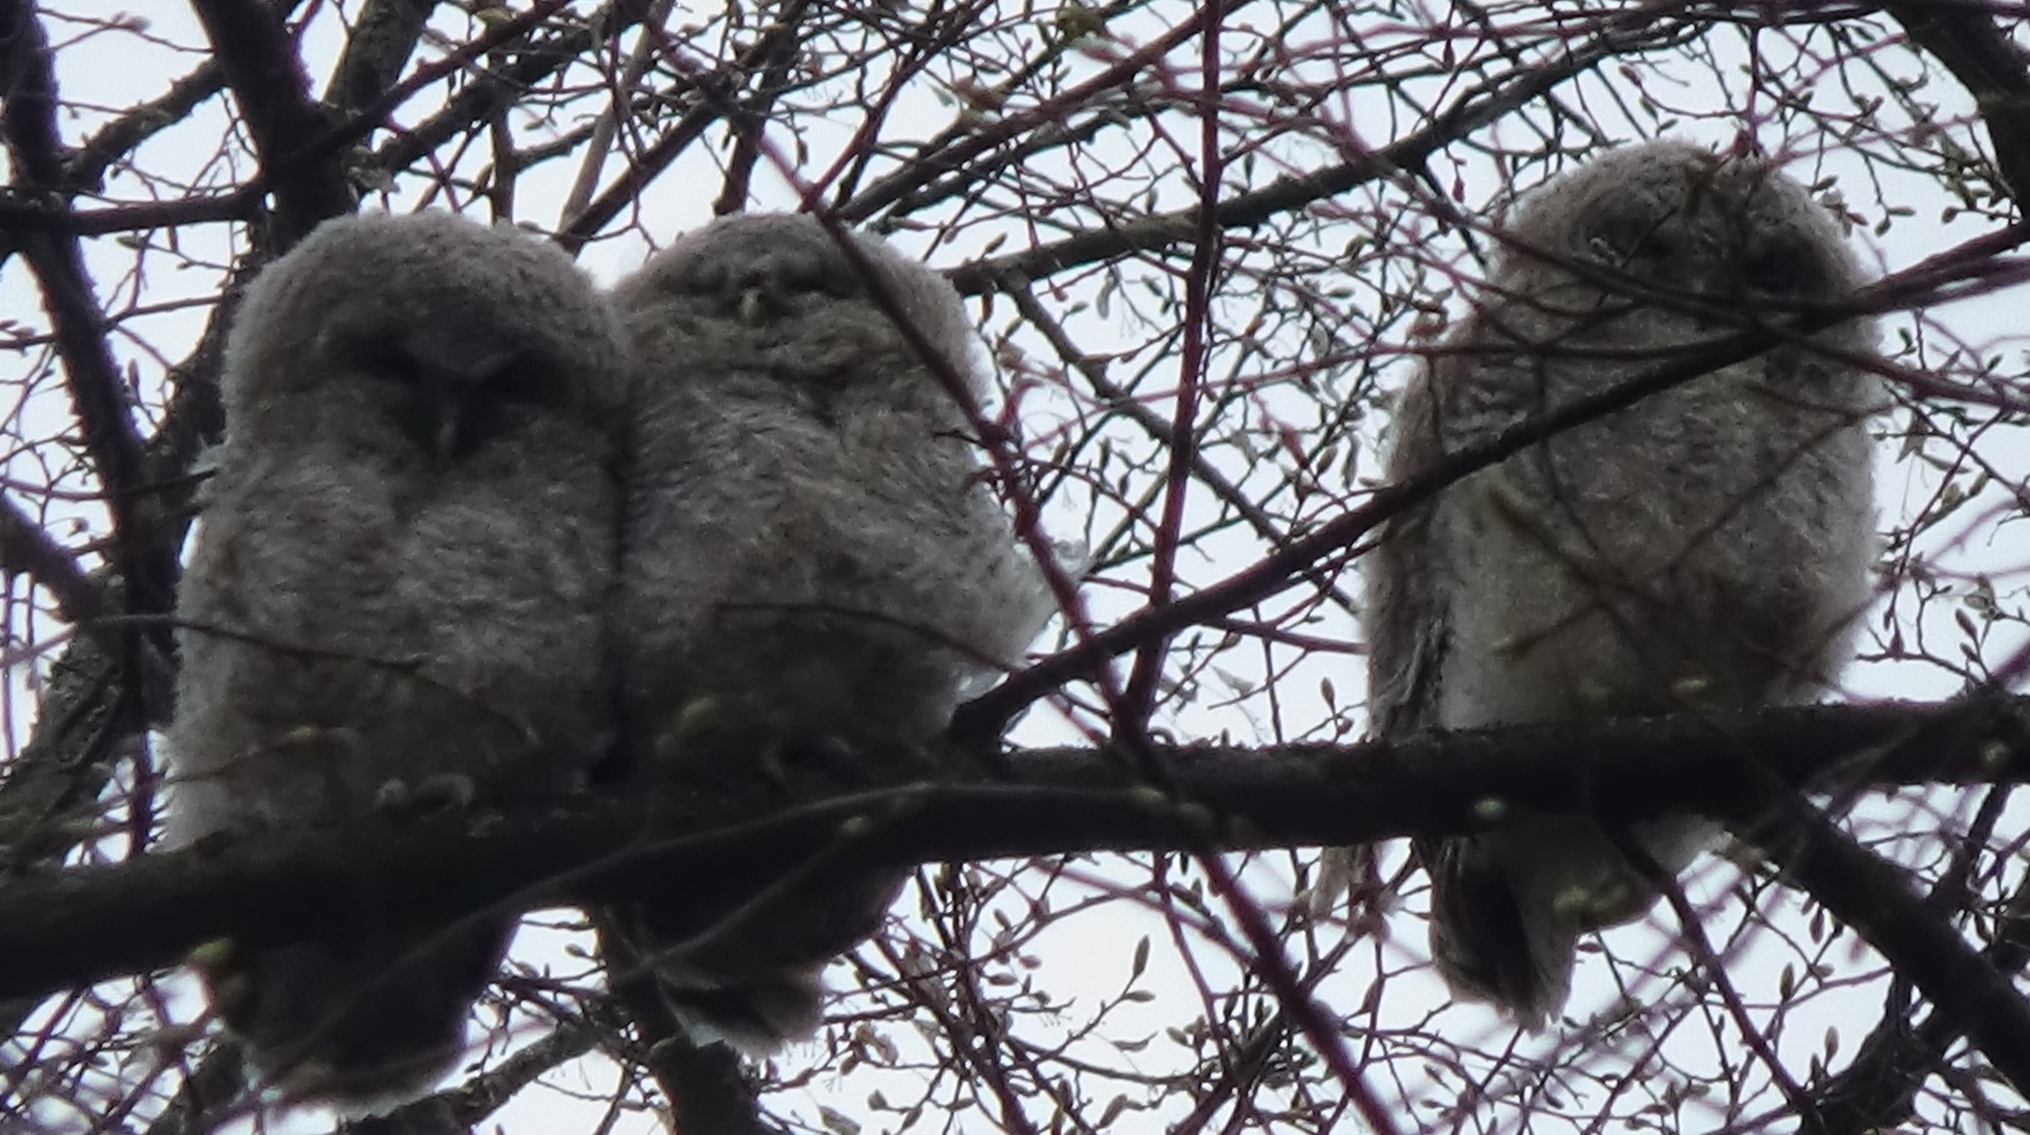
1482, 384
1408, 579
1497, 931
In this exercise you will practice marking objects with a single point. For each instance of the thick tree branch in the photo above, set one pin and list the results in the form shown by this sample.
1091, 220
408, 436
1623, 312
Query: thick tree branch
91, 376
1974, 994
250, 42
382, 39
66, 928
1878, 1091
26, 548
1965, 38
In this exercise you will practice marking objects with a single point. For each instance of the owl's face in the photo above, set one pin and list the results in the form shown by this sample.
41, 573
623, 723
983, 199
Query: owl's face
453, 381
780, 290
439, 331
762, 272
1732, 233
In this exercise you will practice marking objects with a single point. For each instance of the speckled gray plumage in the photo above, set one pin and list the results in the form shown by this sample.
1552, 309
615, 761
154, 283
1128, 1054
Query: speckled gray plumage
811, 554
399, 582
1708, 547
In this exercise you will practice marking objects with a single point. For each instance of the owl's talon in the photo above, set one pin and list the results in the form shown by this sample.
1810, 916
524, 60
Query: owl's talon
232, 995
449, 791
322, 741
205, 957
308, 1079
392, 796
768, 758
694, 719
443, 791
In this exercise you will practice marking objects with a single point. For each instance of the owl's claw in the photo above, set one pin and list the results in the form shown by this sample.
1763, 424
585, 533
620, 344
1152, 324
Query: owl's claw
444, 791
206, 957
694, 720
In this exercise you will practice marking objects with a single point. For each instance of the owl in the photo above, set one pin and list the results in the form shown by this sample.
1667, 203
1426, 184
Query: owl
1707, 547
810, 557
398, 592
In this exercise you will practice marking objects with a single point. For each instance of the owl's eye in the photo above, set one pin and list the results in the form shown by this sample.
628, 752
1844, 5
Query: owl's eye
1627, 239
528, 378
1780, 271
706, 279
799, 276
386, 361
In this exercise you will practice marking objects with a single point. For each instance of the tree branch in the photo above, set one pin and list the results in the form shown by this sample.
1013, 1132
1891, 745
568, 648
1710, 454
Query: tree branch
1973, 994
1992, 68
494, 90
71, 927
86, 169
382, 39
250, 42
1489, 103
460, 1110
78, 323
706, 1091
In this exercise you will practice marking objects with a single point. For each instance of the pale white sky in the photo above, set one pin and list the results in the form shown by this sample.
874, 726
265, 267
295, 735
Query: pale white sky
1084, 960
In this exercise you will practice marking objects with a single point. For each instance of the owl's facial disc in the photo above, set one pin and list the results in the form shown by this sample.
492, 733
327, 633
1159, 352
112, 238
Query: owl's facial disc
777, 282
1715, 258
452, 398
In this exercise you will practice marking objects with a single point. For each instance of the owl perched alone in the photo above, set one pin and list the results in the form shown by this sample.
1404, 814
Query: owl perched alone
1707, 547
398, 588
810, 556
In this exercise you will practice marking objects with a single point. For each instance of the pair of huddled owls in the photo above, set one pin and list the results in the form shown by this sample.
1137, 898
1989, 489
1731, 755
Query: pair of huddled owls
463, 494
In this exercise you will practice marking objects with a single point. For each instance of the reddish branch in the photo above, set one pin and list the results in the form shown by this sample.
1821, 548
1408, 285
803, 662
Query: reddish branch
715, 90
1488, 103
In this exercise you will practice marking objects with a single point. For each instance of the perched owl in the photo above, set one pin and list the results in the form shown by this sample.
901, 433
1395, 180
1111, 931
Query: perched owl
1707, 547
810, 557
399, 587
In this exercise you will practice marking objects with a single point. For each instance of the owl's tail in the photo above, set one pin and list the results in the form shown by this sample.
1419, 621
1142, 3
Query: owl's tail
363, 1025
1508, 906
749, 976
756, 1017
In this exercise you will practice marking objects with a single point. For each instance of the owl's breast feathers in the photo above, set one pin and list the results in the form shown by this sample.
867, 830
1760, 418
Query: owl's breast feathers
1694, 528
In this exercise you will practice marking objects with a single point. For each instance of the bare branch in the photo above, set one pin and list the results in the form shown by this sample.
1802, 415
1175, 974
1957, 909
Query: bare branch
273, 93
87, 924
1994, 70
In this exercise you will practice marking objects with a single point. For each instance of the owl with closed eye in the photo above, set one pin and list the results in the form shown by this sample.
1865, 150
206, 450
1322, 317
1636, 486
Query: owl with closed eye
811, 557
397, 592
1705, 548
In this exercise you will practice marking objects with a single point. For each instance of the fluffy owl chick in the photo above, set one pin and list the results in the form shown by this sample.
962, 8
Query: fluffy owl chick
399, 585
809, 556
1707, 547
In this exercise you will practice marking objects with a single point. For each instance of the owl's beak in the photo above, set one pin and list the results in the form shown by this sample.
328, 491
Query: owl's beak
755, 306
448, 415
454, 402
